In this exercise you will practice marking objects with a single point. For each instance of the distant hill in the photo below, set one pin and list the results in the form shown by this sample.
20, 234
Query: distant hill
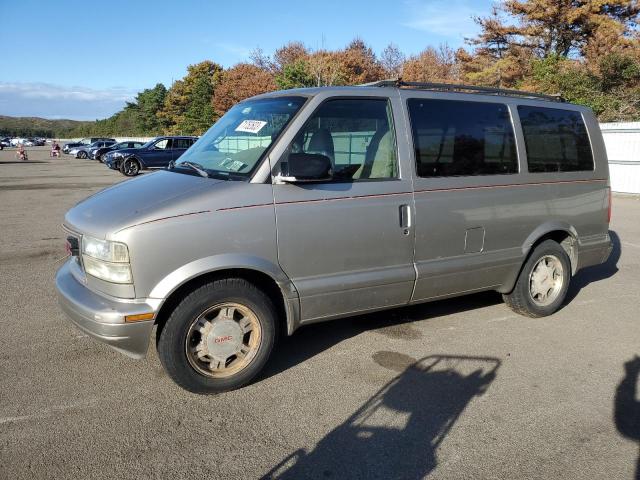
38, 127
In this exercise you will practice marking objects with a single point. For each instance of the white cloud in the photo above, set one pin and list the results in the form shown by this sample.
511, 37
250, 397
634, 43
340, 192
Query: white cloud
445, 18
57, 101
47, 90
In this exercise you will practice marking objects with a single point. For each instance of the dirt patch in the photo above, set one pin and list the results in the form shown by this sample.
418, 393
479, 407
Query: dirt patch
20, 257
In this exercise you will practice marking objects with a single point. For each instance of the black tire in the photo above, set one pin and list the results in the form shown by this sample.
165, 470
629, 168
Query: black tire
130, 167
82, 154
173, 336
521, 300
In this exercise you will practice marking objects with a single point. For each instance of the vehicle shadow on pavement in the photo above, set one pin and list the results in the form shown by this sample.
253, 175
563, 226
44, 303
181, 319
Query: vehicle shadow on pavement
597, 272
397, 432
310, 340
626, 408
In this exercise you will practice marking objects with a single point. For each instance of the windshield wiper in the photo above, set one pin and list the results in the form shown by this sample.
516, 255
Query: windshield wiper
194, 166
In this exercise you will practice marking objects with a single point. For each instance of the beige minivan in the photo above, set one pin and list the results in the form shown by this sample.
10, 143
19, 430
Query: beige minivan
308, 205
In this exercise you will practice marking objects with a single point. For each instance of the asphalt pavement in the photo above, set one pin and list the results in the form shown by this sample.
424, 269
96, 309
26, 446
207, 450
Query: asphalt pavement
455, 389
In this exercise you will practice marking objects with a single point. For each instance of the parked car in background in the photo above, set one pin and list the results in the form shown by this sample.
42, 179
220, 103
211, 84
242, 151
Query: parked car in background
156, 153
276, 218
97, 153
5, 142
33, 142
83, 142
83, 152
15, 141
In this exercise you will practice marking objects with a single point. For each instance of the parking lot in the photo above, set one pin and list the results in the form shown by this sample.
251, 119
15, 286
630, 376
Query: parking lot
461, 388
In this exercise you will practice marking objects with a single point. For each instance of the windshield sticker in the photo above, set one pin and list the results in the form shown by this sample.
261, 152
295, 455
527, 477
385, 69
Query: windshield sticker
250, 126
235, 166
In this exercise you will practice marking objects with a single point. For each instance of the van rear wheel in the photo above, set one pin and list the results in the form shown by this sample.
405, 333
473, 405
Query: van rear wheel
219, 337
543, 282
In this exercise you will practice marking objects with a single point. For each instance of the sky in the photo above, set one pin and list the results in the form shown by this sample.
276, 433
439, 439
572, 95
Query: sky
84, 59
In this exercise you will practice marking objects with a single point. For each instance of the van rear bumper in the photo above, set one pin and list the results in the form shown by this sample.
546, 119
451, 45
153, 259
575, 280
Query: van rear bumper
103, 318
594, 252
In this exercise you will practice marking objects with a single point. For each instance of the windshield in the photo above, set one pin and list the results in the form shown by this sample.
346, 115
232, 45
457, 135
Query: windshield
149, 143
235, 144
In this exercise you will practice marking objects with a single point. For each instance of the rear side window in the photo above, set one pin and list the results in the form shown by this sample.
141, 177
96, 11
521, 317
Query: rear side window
455, 138
182, 143
556, 140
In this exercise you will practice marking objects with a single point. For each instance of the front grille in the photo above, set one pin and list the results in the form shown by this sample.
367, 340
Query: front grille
73, 246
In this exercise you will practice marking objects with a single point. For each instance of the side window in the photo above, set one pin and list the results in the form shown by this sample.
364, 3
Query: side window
356, 134
456, 138
181, 143
163, 144
556, 140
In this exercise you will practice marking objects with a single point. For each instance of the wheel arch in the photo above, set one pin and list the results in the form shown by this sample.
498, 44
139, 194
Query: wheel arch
281, 292
561, 232
136, 158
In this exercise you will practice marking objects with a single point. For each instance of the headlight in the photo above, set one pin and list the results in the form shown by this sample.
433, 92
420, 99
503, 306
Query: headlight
106, 260
118, 154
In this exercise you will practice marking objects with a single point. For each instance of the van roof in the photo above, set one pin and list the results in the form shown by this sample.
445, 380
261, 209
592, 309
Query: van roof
423, 86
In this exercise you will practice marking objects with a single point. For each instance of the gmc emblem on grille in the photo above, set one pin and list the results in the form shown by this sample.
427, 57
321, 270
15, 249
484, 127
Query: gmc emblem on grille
72, 247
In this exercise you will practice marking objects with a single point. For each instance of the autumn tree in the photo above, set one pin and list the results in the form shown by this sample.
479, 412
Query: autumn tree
565, 27
242, 81
358, 63
432, 65
290, 53
327, 68
518, 37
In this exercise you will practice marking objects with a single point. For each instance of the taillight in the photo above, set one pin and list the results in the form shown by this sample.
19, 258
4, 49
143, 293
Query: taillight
609, 207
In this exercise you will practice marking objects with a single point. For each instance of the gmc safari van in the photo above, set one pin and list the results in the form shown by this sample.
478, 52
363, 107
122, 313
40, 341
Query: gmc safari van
307, 205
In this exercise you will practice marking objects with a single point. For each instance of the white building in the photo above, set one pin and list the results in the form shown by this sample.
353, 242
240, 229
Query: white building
623, 149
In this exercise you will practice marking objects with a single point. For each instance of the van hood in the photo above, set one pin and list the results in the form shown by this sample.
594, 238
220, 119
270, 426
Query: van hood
143, 199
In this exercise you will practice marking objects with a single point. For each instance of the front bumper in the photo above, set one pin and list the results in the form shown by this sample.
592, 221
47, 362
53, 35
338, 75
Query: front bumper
103, 318
113, 163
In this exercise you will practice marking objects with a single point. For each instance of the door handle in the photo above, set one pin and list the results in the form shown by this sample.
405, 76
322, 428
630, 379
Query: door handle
405, 218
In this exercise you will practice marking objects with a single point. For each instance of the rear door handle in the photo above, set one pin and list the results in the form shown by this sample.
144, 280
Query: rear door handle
405, 218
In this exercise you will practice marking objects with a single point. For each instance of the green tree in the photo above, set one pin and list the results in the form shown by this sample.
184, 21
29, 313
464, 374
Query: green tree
295, 75
149, 102
199, 115
192, 89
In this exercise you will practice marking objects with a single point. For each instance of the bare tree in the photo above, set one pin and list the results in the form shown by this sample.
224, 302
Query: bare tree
392, 60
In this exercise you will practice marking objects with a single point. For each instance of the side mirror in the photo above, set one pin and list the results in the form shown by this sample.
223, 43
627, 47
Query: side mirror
305, 167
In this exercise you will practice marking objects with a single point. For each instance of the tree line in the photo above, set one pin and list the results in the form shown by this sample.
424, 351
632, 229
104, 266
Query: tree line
588, 51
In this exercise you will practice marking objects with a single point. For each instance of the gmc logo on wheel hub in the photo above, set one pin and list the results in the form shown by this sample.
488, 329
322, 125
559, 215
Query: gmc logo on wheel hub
223, 339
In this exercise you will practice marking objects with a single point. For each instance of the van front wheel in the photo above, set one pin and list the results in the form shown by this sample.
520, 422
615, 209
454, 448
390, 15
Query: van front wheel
543, 282
219, 337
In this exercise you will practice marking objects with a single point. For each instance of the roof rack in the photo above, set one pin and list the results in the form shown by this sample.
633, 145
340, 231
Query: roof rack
452, 87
